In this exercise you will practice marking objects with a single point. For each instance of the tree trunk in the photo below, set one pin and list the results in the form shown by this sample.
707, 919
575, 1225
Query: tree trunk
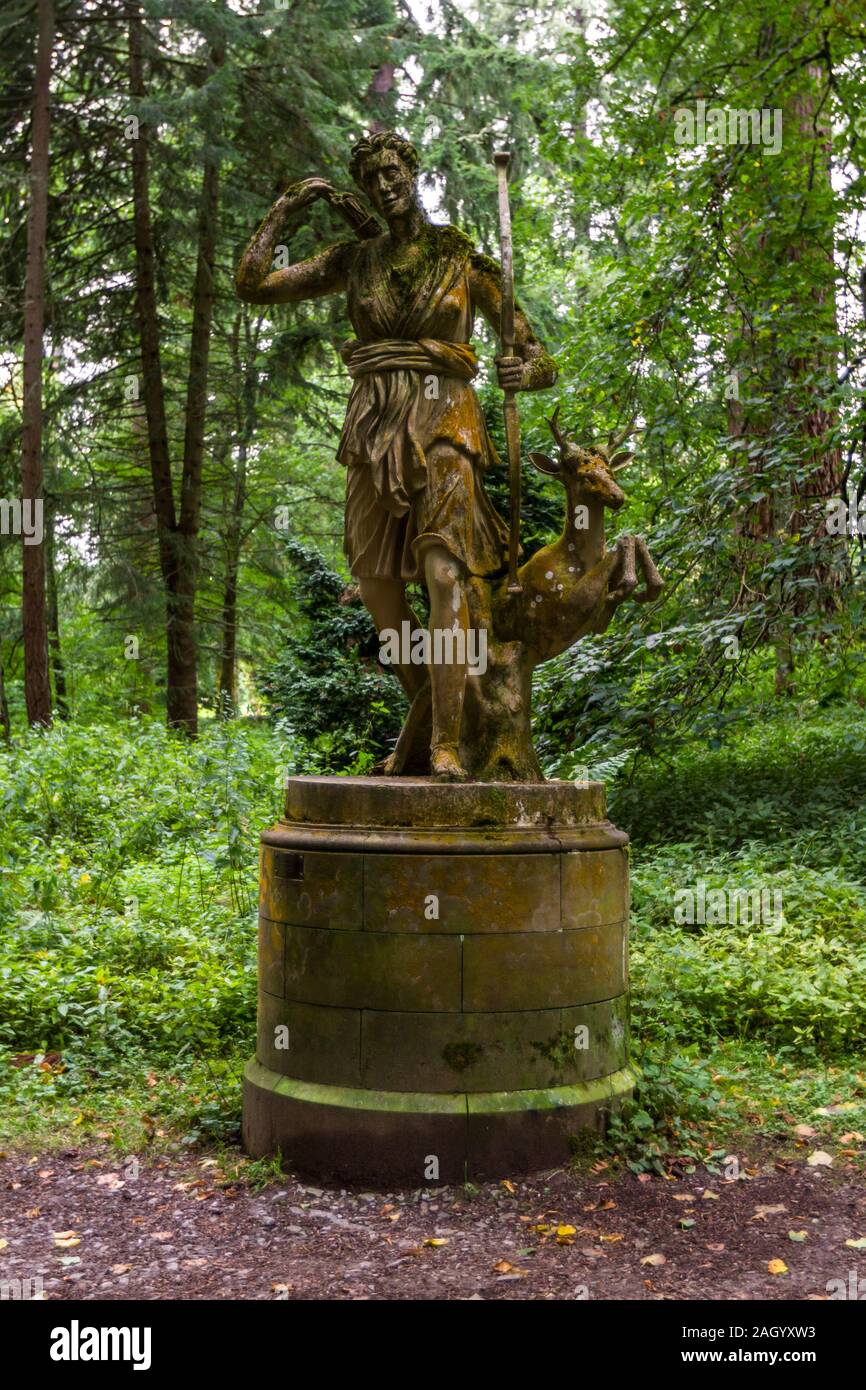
5, 721
178, 539
785, 390
193, 445
153, 392
227, 681
227, 684
52, 612
37, 686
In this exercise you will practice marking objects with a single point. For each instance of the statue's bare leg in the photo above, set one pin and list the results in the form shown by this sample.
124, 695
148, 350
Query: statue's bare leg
385, 601
448, 611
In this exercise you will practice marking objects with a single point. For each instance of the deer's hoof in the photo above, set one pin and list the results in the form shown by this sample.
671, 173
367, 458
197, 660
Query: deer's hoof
621, 592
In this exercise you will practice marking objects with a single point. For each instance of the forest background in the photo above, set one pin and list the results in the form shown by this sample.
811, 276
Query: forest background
187, 634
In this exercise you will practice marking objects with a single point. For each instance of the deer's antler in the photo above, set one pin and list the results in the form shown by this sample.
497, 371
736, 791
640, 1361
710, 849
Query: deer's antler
618, 437
557, 433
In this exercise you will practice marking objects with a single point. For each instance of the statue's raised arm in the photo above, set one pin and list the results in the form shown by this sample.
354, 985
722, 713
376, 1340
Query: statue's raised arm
325, 273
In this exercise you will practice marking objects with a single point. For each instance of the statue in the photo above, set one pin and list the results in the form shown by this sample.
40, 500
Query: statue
443, 949
416, 447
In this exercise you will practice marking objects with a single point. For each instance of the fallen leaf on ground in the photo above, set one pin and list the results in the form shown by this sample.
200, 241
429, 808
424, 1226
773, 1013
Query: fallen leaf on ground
65, 1239
505, 1267
797, 1235
654, 1260
120, 1269
859, 1244
435, 1241
777, 1267
819, 1159
804, 1131
764, 1211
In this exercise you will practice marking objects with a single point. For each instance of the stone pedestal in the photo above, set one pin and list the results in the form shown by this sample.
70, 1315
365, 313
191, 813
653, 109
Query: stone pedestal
443, 973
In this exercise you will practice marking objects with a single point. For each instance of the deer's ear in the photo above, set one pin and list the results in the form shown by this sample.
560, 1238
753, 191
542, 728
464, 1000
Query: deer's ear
544, 464
620, 460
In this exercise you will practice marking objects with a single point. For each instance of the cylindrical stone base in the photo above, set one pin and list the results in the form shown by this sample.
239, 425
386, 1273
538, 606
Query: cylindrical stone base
443, 973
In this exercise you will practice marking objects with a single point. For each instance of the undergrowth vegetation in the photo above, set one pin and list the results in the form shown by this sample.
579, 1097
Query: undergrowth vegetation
128, 876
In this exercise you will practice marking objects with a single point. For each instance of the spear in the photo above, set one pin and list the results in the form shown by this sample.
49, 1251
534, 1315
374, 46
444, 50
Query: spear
506, 334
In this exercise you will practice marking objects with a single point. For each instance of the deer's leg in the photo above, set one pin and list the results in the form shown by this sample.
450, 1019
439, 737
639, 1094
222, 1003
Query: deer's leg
626, 578
596, 599
654, 581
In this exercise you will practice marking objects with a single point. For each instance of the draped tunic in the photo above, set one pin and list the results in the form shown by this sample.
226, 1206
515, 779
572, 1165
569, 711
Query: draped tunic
414, 439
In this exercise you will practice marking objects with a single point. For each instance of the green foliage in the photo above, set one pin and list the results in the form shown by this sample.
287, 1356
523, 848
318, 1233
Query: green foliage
326, 685
127, 891
674, 1102
779, 808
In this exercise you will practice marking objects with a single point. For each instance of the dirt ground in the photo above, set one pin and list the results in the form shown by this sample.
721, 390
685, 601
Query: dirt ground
93, 1227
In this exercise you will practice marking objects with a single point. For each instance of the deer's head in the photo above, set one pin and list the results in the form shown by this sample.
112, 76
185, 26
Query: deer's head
587, 473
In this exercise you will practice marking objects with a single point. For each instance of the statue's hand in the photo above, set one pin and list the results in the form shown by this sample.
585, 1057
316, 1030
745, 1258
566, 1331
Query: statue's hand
308, 190
535, 370
511, 372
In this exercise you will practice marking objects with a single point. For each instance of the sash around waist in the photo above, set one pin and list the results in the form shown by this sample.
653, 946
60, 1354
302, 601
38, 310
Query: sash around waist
407, 354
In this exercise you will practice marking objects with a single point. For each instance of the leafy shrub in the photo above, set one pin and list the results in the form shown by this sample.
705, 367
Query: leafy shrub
326, 683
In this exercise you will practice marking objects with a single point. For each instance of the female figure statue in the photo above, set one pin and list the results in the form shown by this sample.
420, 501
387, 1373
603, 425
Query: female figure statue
414, 441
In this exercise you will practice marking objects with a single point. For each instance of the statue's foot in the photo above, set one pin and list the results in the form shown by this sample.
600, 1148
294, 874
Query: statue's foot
445, 765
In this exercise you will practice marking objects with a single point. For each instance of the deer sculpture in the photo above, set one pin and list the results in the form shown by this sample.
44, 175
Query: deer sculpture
570, 588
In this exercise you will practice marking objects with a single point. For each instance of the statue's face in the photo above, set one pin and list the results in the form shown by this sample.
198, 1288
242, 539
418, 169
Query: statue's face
389, 184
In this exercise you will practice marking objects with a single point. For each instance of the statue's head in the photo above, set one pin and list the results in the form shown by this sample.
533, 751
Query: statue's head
385, 166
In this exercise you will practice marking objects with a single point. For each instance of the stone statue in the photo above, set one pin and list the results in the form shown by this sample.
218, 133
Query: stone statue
416, 447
